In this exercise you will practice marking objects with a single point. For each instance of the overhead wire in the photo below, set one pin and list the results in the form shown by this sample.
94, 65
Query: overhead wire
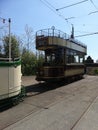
72, 17
87, 34
71, 5
52, 8
56, 11
76, 17
93, 4
48, 5
93, 12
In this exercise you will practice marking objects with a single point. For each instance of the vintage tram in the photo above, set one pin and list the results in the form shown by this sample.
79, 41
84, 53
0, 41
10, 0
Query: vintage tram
63, 56
10, 81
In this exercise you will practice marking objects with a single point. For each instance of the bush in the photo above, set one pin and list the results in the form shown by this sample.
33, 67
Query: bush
96, 71
29, 62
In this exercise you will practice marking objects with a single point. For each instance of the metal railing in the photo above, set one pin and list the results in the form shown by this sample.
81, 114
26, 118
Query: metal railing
57, 33
52, 32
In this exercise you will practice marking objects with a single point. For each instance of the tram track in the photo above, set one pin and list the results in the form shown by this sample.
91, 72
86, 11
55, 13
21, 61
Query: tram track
72, 128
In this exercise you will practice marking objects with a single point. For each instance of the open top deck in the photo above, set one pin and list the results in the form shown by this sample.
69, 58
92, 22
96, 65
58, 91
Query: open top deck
51, 38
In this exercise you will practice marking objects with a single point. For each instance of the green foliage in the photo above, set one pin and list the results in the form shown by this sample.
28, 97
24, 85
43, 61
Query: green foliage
29, 60
29, 63
1, 55
15, 52
96, 72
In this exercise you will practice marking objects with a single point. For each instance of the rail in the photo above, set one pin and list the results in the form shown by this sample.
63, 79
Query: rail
57, 33
52, 32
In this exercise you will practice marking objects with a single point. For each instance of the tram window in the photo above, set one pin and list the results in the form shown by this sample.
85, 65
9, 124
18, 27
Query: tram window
81, 60
76, 59
54, 56
48, 58
70, 56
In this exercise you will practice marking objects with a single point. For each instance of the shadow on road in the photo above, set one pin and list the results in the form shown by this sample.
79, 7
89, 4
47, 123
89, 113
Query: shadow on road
39, 88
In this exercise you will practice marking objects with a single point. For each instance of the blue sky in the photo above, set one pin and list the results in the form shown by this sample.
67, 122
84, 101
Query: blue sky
41, 14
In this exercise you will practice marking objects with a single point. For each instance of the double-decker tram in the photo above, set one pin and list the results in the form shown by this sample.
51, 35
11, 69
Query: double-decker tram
63, 55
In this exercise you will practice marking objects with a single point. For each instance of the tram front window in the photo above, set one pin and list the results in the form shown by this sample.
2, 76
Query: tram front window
52, 57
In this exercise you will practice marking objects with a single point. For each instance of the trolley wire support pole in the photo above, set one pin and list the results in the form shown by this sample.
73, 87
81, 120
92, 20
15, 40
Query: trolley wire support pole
9, 20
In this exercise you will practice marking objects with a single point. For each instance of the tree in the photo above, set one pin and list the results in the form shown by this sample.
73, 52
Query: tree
28, 38
89, 60
29, 62
1, 55
15, 51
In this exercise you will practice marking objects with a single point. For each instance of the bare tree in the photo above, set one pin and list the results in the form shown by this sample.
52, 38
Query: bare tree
29, 38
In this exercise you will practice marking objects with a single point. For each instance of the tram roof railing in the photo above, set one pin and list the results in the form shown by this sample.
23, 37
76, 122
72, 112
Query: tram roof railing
52, 32
57, 33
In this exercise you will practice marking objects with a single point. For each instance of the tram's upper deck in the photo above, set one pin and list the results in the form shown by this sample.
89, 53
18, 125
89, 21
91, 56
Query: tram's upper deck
50, 38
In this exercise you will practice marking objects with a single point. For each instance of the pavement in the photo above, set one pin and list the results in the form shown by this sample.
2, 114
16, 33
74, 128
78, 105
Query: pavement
75, 109
28, 80
89, 120
56, 118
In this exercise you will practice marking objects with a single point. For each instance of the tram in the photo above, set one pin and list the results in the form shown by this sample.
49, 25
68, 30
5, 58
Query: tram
63, 55
10, 80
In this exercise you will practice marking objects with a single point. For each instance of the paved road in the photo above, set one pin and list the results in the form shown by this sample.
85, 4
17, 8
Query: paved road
69, 107
28, 80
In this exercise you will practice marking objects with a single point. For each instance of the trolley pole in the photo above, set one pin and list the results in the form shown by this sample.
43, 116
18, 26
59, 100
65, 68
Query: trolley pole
53, 28
9, 20
72, 33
